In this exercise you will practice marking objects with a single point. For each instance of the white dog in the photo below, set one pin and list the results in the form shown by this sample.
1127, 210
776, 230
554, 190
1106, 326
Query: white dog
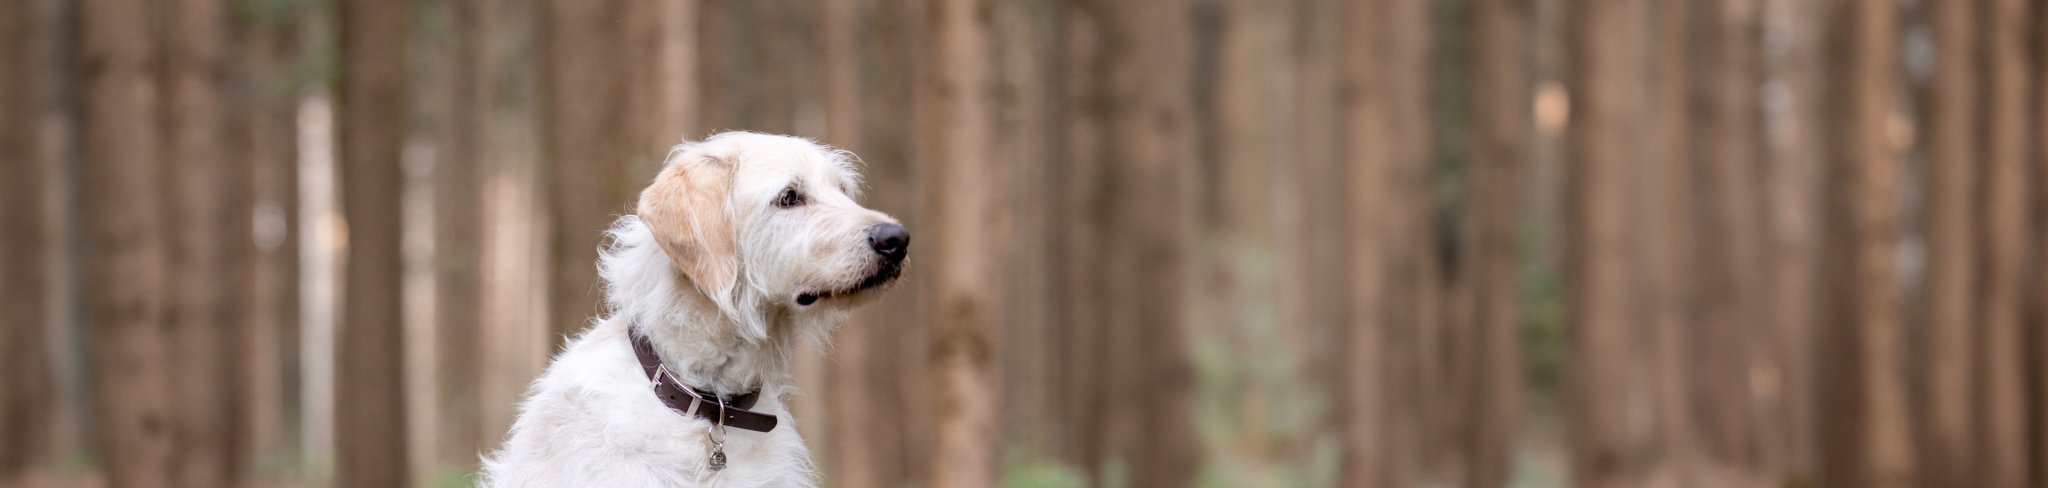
744, 245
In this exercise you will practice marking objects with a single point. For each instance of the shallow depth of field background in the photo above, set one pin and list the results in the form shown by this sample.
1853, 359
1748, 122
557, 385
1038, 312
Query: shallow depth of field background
1158, 243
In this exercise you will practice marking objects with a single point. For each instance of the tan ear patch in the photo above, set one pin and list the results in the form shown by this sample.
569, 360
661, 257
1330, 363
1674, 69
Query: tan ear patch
685, 210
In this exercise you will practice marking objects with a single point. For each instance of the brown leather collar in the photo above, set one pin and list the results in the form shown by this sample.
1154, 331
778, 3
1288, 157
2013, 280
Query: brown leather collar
692, 402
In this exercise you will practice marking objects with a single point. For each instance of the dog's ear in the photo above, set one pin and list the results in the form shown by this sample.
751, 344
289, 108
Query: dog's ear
686, 210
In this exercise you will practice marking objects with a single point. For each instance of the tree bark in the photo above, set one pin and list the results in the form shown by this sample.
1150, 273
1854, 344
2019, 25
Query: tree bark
459, 235
2038, 326
517, 333
1148, 412
1619, 322
1500, 121
1025, 84
1385, 113
26, 375
370, 409
1725, 304
1663, 196
1945, 373
2000, 414
264, 126
1312, 189
212, 243
591, 148
959, 164
1863, 436
128, 242
1795, 141
1084, 202
869, 68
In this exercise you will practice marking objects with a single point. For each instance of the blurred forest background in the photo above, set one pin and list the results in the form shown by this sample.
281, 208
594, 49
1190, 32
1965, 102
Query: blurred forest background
1160, 243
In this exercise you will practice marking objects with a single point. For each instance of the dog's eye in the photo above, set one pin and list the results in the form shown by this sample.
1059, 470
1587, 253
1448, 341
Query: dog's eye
789, 198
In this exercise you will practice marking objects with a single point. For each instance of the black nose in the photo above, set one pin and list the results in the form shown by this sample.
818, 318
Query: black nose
890, 240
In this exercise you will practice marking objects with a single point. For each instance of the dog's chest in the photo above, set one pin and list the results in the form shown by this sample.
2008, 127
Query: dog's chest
630, 430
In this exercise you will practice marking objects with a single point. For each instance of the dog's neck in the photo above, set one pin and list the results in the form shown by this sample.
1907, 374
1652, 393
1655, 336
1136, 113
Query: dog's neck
704, 349
701, 346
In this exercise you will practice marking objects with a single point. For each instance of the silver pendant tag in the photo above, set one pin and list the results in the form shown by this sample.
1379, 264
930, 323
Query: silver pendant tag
717, 455
716, 434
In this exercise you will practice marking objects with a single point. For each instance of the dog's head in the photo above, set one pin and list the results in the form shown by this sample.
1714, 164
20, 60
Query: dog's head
758, 221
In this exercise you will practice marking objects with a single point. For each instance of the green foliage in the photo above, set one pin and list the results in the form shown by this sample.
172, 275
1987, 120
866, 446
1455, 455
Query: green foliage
453, 477
1256, 416
1025, 469
1543, 341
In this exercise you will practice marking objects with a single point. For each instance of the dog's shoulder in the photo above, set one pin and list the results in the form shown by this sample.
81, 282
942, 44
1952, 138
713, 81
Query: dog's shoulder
588, 418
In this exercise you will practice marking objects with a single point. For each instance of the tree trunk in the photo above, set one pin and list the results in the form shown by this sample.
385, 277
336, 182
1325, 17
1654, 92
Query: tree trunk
211, 225
1245, 123
128, 242
1026, 81
2002, 244
1312, 190
370, 409
664, 87
264, 131
25, 403
591, 148
956, 153
1663, 199
1727, 273
1084, 202
850, 452
2038, 327
868, 70
1148, 412
1863, 436
1385, 116
26, 376
1617, 316
1945, 373
1795, 142
459, 235
1500, 121
516, 332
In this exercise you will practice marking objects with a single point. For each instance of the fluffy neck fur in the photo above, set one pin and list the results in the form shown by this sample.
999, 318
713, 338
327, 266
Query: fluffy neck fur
701, 345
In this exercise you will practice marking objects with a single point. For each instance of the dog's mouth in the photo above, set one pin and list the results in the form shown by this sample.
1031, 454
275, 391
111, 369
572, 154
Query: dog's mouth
883, 275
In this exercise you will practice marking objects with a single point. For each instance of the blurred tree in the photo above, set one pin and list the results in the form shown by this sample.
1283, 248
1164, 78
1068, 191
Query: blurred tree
1860, 350
1242, 117
1084, 202
1024, 82
370, 411
1491, 414
263, 120
2038, 323
2000, 403
1147, 415
1312, 282
1945, 353
1794, 139
27, 412
516, 333
596, 156
1618, 378
1386, 120
1667, 235
1727, 208
958, 163
467, 96
867, 73
211, 224
128, 241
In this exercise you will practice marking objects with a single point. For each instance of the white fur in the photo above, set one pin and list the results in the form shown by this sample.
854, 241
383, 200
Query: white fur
590, 419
